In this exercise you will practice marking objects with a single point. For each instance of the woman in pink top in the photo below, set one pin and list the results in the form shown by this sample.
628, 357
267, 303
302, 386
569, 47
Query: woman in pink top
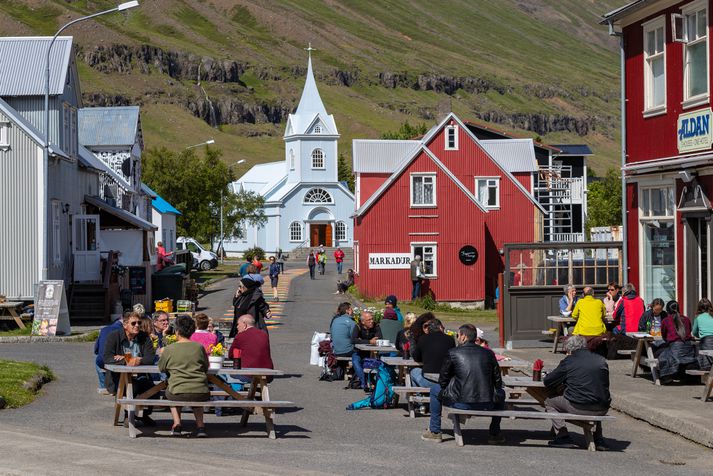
202, 335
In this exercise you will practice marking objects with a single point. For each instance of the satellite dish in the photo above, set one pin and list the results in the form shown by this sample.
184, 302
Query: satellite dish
126, 167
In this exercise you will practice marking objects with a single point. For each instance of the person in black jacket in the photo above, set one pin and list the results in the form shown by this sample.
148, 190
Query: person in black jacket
431, 350
470, 379
367, 332
249, 300
584, 376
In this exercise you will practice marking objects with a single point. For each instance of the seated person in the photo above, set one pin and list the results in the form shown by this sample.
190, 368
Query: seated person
404, 342
186, 364
703, 329
160, 325
220, 338
590, 314
432, 349
628, 311
342, 286
650, 320
130, 340
390, 325
568, 301
392, 303
254, 347
470, 379
99, 352
367, 332
202, 335
341, 329
611, 299
676, 353
585, 378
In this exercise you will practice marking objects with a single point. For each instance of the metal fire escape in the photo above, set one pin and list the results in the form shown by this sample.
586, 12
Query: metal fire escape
557, 191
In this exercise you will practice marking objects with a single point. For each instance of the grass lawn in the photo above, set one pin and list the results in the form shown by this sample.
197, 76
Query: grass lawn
225, 270
13, 374
18, 332
453, 316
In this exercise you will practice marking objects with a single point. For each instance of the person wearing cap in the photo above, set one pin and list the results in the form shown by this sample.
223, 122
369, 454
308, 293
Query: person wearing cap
417, 274
249, 300
392, 303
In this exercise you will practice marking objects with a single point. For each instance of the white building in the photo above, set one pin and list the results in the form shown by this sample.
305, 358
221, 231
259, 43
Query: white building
305, 204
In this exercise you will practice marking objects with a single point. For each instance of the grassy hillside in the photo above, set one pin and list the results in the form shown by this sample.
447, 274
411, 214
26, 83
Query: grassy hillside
535, 67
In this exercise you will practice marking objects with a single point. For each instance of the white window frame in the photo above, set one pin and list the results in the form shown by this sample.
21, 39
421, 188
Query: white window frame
703, 98
323, 159
411, 190
451, 130
343, 236
434, 245
317, 129
320, 190
298, 238
56, 233
649, 108
292, 159
4, 135
497, 192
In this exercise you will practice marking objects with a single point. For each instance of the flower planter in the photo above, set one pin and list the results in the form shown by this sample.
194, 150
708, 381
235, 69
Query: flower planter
215, 362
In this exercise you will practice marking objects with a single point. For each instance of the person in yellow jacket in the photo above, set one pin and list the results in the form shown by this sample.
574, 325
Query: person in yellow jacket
590, 314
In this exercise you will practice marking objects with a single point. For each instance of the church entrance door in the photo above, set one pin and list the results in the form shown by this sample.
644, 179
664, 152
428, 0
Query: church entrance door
320, 234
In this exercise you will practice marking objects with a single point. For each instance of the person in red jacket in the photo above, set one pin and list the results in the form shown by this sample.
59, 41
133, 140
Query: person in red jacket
339, 258
257, 264
628, 311
254, 347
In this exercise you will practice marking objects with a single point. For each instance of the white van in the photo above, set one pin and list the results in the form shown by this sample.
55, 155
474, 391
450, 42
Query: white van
206, 259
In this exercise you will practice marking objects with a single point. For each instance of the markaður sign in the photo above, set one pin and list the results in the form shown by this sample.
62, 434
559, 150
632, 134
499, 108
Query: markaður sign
468, 255
389, 261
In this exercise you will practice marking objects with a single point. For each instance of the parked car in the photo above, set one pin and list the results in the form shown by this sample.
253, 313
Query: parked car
205, 259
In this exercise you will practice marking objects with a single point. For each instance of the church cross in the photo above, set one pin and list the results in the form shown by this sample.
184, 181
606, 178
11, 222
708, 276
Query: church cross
309, 49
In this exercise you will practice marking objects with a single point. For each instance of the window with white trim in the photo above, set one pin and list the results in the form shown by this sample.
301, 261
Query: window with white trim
4, 135
423, 190
56, 247
656, 216
429, 257
295, 231
487, 191
292, 159
695, 51
341, 231
655, 64
318, 195
451, 138
317, 159
317, 129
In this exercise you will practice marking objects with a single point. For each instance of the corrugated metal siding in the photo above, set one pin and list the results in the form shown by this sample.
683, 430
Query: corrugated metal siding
514, 155
32, 109
386, 228
22, 65
108, 126
380, 155
19, 234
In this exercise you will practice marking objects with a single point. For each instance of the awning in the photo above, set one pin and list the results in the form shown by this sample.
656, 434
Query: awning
119, 217
669, 163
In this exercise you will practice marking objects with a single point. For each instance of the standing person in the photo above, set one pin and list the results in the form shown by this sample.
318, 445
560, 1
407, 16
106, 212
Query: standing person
417, 274
281, 260
703, 329
431, 350
257, 263
322, 262
470, 380
249, 300
568, 301
163, 259
367, 332
202, 335
339, 259
186, 364
274, 275
244, 267
99, 352
311, 263
612, 298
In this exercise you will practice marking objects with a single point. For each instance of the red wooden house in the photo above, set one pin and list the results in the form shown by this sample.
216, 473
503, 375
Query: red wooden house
668, 147
436, 197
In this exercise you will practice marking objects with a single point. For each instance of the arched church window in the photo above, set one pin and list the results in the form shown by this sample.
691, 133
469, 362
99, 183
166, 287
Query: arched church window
341, 231
318, 195
317, 159
292, 159
295, 231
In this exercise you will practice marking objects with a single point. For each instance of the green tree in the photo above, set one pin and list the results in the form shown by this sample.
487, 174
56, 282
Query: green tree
604, 201
193, 185
406, 132
344, 172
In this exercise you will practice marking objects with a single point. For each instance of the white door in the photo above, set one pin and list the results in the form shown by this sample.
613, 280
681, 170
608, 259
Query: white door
85, 248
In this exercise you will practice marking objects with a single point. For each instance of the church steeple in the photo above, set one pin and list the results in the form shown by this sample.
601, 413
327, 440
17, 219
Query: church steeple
310, 102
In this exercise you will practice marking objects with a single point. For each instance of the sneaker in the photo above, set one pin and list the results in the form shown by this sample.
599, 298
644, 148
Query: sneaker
430, 436
498, 439
565, 441
200, 433
102, 391
176, 431
601, 444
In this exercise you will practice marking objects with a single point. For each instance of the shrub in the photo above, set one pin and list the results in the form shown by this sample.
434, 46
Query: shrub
254, 252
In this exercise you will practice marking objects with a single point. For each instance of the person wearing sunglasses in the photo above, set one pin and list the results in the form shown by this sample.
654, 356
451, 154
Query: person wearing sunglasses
612, 297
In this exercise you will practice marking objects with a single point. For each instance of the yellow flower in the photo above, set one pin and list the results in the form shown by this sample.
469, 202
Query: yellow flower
217, 350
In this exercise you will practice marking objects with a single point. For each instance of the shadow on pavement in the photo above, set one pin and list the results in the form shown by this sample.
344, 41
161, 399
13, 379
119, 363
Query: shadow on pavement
227, 430
523, 439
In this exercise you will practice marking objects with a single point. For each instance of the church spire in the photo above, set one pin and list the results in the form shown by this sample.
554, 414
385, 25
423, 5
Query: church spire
310, 102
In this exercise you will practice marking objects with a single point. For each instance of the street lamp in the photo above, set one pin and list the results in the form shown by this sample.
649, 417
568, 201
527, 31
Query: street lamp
222, 236
120, 8
208, 142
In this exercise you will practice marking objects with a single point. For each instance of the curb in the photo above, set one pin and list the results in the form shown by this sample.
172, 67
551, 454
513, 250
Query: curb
42, 340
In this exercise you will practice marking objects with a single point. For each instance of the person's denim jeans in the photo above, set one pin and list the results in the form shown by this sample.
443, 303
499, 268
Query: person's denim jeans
416, 291
418, 380
437, 408
311, 272
358, 368
100, 376
339, 267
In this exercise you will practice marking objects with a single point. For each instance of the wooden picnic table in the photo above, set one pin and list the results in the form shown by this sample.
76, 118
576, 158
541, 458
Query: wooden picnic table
536, 389
8, 312
402, 365
375, 350
709, 383
560, 322
125, 387
644, 343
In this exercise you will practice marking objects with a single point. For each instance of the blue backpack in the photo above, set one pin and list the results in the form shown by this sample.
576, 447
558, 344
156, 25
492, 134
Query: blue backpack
382, 396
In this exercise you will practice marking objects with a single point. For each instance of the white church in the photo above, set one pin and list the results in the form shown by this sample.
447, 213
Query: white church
305, 204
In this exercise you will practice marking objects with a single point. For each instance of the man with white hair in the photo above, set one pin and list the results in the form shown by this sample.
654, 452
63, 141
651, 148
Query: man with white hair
584, 376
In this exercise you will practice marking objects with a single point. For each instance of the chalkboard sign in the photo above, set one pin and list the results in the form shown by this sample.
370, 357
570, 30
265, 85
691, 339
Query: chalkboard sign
51, 312
137, 279
468, 255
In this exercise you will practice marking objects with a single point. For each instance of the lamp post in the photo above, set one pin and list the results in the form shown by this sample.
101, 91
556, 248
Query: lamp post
208, 142
121, 7
221, 248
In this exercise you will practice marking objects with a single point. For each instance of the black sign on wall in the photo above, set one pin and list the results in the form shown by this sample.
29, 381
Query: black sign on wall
468, 255
137, 279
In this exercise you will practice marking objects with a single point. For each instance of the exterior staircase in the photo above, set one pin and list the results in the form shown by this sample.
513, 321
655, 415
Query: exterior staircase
88, 303
300, 254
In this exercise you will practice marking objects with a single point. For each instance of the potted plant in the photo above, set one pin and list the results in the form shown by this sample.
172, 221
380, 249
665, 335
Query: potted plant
216, 357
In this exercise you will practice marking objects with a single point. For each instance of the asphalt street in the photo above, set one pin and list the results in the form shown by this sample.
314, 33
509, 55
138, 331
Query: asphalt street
68, 429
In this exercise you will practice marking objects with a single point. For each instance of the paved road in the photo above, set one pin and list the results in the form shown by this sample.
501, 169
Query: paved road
68, 430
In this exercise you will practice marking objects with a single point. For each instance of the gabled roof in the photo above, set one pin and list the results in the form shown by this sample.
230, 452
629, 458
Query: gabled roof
403, 166
310, 110
121, 214
380, 156
261, 178
161, 205
29, 129
621, 12
506, 135
108, 126
22, 65
513, 155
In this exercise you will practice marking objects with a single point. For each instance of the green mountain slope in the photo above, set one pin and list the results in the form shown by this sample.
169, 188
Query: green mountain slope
535, 67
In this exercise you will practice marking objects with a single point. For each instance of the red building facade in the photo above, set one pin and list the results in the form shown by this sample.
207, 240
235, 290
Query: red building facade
439, 198
668, 147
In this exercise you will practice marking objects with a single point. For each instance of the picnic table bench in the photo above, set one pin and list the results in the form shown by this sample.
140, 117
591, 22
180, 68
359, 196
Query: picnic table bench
708, 384
8, 312
644, 340
125, 394
560, 329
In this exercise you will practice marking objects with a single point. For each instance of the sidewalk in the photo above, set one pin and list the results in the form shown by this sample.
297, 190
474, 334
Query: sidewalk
675, 408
